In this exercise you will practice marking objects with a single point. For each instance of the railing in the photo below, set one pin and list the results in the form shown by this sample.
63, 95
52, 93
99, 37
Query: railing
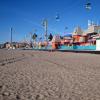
90, 47
64, 47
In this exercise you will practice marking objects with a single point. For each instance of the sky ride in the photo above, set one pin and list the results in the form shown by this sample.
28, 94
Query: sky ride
88, 5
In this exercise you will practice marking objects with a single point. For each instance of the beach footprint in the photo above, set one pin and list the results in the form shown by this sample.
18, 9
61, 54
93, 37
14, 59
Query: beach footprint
39, 97
2, 88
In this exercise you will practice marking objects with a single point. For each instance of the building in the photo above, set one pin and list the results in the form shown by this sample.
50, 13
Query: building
78, 36
92, 29
77, 31
1, 46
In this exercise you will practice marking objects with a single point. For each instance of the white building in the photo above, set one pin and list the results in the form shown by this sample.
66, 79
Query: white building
92, 28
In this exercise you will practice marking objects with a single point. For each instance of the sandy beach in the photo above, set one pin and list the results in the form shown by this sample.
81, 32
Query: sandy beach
42, 75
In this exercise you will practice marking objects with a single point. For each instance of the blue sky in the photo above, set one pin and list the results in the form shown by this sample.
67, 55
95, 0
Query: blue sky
26, 16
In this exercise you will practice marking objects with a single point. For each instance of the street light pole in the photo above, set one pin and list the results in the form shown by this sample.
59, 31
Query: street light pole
45, 24
11, 34
11, 37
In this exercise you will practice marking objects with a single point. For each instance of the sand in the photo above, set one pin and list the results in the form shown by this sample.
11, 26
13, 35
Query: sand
42, 75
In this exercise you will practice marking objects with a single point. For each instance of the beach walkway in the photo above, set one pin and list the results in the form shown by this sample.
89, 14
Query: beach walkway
43, 75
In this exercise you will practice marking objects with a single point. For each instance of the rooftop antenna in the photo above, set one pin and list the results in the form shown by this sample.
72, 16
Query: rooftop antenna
89, 23
97, 23
93, 23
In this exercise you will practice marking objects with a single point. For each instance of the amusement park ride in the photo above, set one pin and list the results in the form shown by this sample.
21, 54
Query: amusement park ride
88, 6
79, 40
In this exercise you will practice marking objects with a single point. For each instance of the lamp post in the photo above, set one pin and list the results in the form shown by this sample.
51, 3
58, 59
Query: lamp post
11, 36
45, 25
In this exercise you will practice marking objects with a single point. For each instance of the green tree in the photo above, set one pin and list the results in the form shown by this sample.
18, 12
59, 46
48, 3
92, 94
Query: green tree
50, 37
34, 36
